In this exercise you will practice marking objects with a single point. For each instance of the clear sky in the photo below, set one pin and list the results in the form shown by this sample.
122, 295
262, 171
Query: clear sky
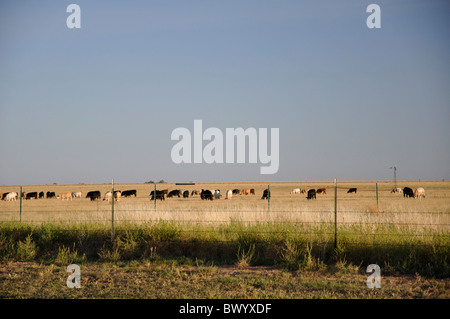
100, 102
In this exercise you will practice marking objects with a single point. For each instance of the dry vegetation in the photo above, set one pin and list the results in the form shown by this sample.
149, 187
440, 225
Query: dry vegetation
362, 207
405, 236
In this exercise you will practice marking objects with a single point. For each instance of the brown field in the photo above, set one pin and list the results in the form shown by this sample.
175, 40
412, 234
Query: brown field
431, 211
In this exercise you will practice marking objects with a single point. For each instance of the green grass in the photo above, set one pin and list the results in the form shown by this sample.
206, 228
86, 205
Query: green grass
290, 246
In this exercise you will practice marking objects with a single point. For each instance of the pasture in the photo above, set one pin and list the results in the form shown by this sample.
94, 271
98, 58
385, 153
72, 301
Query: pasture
401, 235
362, 206
293, 236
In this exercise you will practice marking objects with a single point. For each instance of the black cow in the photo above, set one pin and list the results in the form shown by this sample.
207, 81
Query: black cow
93, 195
185, 194
266, 194
159, 195
236, 191
128, 193
41, 194
206, 194
352, 190
31, 195
408, 192
175, 192
311, 194
51, 194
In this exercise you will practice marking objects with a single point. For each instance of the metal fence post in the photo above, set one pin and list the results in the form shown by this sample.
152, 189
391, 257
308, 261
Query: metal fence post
268, 198
335, 213
112, 210
20, 204
376, 189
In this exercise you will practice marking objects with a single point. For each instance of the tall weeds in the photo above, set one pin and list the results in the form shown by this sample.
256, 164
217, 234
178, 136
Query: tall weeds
291, 245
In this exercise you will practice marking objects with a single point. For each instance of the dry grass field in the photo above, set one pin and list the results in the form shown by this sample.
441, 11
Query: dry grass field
362, 207
296, 236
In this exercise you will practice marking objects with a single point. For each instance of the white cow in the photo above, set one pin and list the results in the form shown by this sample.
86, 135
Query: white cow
107, 196
419, 193
229, 194
295, 191
397, 190
217, 194
11, 196
77, 194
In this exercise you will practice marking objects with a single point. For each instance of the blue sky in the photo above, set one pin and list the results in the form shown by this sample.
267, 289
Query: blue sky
100, 102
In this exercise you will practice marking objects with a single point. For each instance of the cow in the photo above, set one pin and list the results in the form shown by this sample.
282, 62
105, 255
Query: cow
236, 191
311, 194
206, 194
41, 195
65, 196
128, 193
51, 194
117, 195
295, 191
77, 194
303, 191
11, 196
419, 193
352, 190
93, 195
228, 194
245, 191
396, 190
195, 192
217, 194
266, 194
185, 194
175, 192
408, 192
321, 191
252, 191
31, 195
3, 196
159, 195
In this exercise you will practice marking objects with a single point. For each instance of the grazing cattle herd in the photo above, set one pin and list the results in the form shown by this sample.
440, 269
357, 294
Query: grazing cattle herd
205, 194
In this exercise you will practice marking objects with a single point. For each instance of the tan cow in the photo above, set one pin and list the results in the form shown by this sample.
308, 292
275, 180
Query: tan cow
245, 191
117, 195
419, 193
65, 196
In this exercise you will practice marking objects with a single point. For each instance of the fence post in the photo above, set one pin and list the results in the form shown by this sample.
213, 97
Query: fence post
376, 188
268, 198
335, 213
112, 210
20, 204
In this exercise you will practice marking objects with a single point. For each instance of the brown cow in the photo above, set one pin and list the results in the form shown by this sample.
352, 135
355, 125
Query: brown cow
252, 191
65, 196
321, 191
245, 191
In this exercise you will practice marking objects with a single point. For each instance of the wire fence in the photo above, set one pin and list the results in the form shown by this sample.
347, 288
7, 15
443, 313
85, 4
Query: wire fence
328, 219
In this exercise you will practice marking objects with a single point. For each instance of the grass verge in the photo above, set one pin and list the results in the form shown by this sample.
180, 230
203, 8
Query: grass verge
290, 246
